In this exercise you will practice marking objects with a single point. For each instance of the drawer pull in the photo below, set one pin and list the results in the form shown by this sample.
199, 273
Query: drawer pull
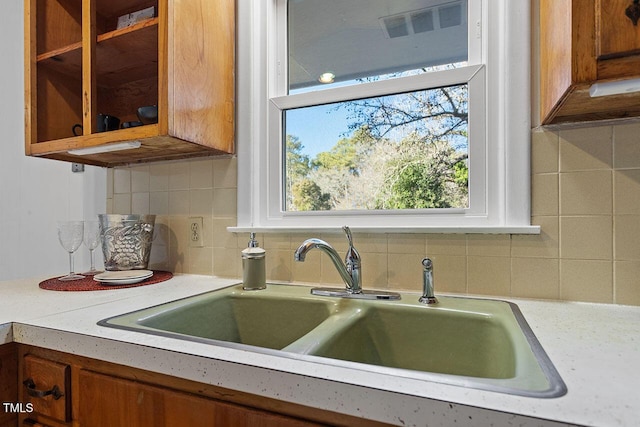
31, 390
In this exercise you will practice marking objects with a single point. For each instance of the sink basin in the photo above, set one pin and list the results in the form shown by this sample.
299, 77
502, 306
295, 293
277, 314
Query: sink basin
477, 343
486, 340
272, 320
467, 343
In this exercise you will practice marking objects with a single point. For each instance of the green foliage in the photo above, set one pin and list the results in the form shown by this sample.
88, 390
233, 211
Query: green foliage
298, 164
415, 187
308, 196
423, 175
461, 174
367, 173
343, 156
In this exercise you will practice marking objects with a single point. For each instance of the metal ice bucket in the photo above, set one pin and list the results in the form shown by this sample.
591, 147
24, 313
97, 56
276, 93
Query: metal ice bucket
126, 240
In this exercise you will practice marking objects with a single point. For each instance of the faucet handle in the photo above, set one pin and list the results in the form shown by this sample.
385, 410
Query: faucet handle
352, 263
347, 231
352, 256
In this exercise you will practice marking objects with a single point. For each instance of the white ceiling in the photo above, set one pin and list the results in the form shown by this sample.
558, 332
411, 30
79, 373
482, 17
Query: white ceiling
348, 38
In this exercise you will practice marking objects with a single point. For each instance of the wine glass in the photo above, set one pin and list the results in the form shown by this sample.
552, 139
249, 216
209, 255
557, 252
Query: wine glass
70, 234
91, 240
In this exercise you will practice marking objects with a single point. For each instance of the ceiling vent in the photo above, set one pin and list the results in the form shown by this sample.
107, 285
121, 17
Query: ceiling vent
423, 20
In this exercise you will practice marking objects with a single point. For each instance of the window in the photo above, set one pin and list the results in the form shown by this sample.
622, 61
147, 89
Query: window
403, 115
391, 152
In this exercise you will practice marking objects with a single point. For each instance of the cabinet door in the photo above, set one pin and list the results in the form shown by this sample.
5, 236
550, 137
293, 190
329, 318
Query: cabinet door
47, 387
616, 34
8, 382
107, 401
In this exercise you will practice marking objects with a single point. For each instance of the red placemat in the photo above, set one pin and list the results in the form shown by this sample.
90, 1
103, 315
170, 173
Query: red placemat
88, 284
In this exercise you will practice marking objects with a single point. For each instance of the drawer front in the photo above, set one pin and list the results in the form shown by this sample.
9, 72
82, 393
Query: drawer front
47, 385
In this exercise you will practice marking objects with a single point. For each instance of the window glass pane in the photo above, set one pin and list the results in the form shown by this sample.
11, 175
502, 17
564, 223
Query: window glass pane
338, 42
403, 151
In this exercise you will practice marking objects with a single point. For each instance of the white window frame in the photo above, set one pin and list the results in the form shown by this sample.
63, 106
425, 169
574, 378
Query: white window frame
499, 117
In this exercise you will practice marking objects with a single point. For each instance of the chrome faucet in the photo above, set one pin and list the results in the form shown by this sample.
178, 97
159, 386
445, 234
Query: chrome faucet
428, 296
350, 271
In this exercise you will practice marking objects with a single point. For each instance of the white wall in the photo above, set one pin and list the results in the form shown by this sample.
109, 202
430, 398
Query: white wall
34, 193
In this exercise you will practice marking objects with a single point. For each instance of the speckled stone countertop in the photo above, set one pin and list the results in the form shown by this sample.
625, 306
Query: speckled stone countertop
595, 348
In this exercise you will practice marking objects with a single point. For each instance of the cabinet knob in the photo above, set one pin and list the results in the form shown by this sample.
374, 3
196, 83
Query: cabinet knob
30, 385
633, 12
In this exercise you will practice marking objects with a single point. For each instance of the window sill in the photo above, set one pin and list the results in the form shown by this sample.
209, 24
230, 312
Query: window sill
524, 229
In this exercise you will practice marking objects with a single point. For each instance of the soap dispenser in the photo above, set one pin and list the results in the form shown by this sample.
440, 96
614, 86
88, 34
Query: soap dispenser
253, 266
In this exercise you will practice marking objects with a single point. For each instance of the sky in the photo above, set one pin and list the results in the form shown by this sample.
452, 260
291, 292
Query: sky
318, 128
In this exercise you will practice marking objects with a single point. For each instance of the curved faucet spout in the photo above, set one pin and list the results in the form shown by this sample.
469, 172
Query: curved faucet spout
310, 244
349, 270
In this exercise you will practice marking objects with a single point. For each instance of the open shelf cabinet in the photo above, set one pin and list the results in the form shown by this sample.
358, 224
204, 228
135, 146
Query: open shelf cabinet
79, 63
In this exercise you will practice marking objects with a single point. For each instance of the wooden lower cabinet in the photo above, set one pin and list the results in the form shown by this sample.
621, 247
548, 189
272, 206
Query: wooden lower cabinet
106, 401
8, 384
104, 394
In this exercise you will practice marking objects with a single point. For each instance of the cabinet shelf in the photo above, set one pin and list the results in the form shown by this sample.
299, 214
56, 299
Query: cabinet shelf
58, 55
128, 54
122, 55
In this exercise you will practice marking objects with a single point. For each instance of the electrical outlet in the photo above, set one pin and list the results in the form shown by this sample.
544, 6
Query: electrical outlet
195, 232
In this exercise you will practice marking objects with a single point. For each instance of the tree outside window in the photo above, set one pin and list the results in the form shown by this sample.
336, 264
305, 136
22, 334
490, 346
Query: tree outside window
404, 151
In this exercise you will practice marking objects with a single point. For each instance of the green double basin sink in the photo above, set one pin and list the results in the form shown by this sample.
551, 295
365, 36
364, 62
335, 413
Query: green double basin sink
477, 343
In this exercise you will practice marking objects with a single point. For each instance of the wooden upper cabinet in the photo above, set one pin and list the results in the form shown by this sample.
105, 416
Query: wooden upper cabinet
583, 42
81, 63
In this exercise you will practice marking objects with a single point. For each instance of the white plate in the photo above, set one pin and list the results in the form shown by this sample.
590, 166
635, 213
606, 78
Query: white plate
123, 277
122, 281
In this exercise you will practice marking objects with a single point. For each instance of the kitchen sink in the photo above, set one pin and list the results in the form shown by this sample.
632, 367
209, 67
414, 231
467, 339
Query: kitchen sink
477, 343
